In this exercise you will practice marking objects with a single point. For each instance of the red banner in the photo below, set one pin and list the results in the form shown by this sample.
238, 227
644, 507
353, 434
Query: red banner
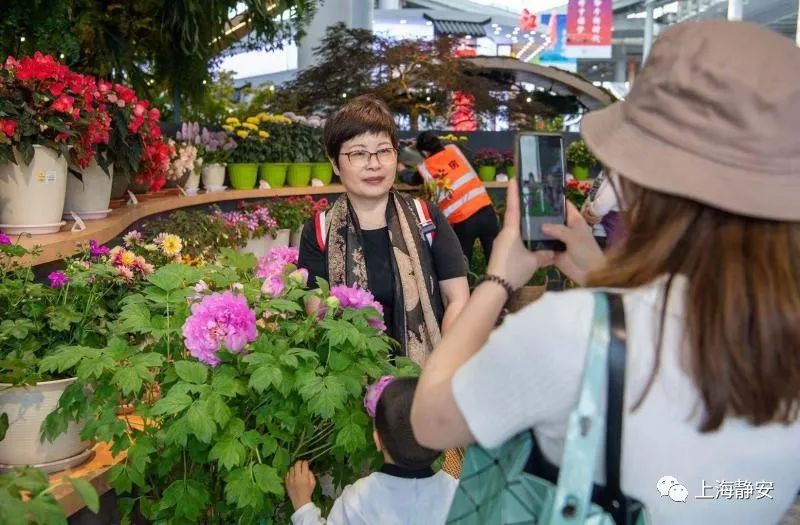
590, 24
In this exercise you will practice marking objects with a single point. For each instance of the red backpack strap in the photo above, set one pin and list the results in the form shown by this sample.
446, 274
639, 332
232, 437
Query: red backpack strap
321, 229
426, 224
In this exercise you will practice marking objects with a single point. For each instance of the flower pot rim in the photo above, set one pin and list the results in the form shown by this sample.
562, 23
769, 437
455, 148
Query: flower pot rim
40, 383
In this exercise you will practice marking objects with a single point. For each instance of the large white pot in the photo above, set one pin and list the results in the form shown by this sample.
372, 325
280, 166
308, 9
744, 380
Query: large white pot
33, 195
92, 194
260, 246
213, 175
27, 408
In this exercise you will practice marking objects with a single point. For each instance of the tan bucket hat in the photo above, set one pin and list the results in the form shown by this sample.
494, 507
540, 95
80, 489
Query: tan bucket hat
713, 116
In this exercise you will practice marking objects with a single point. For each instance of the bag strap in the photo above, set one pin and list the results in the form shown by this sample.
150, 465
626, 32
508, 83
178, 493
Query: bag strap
615, 407
585, 428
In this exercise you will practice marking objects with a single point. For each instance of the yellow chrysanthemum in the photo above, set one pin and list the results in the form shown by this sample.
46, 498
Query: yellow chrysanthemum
249, 126
232, 120
252, 120
263, 134
171, 245
227, 128
127, 258
262, 116
243, 133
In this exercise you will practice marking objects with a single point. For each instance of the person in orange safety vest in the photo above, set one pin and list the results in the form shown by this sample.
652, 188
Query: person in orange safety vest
464, 201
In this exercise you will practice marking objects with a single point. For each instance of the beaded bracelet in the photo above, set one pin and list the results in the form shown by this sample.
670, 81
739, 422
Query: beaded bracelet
499, 280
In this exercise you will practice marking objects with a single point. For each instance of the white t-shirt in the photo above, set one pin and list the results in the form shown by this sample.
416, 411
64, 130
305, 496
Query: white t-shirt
387, 500
529, 374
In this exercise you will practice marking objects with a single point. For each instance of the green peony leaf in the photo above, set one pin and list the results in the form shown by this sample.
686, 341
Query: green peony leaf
329, 398
268, 480
87, 493
228, 452
127, 380
191, 371
264, 377
351, 438
135, 318
200, 424
172, 403
240, 488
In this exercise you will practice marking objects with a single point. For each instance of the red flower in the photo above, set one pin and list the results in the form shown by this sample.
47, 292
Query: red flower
103, 86
8, 127
125, 93
139, 109
63, 104
56, 88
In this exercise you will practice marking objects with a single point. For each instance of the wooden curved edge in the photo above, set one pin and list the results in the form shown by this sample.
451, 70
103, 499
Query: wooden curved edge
56, 246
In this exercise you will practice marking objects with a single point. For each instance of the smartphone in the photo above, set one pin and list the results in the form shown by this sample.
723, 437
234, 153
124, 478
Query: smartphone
541, 174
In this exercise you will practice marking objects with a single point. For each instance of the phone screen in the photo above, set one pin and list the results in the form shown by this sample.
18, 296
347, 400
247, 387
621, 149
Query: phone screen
541, 182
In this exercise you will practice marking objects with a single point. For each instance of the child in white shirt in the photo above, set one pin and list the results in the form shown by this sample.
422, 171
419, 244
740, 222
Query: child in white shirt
405, 491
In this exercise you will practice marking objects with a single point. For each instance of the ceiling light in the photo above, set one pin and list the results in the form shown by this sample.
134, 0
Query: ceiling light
22, 39
528, 99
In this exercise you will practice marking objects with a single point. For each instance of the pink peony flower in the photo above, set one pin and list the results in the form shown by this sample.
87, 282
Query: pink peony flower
273, 285
220, 321
4, 239
353, 297
285, 254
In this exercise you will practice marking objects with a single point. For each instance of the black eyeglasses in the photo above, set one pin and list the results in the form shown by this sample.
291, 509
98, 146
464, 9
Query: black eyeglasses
361, 158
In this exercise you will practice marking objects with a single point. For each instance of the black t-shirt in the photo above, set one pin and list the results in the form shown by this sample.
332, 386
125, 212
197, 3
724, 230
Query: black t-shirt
447, 258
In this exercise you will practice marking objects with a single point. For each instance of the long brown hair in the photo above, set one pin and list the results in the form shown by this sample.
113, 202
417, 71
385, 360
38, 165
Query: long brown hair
743, 299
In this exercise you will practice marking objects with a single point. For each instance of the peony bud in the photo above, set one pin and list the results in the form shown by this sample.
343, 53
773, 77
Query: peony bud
332, 302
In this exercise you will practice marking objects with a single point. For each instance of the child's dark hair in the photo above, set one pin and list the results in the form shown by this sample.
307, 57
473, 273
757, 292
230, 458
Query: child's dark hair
428, 141
393, 423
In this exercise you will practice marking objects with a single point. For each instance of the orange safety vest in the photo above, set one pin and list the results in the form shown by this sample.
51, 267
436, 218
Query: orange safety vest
468, 193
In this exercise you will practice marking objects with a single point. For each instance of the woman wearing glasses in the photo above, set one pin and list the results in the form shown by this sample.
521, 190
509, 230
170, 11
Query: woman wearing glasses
399, 248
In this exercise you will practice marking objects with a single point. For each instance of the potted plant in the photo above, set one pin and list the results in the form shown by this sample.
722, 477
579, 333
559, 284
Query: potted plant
487, 160
249, 152
254, 229
140, 155
306, 208
72, 311
508, 161
321, 168
249, 383
581, 159
277, 151
215, 150
48, 113
90, 172
203, 234
299, 172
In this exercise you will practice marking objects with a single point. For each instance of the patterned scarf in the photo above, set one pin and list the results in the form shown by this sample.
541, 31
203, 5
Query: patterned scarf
418, 308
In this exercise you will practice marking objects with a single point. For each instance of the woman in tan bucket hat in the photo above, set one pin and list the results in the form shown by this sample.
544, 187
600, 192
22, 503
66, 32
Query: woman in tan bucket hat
706, 155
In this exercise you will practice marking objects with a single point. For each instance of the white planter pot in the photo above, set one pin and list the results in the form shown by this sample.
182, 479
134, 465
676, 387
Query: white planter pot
92, 194
32, 196
193, 182
27, 408
213, 175
294, 242
260, 246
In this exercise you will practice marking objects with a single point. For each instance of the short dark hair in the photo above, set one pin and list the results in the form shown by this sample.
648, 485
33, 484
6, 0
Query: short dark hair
428, 141
363, 114
393, 423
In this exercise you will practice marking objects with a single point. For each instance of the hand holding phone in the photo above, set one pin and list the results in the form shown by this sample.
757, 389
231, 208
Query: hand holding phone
541, 178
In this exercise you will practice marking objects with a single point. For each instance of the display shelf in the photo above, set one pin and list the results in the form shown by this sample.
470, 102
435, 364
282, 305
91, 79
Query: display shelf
95, 471
56, 246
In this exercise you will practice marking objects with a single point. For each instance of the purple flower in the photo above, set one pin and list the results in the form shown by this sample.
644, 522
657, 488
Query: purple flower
4, 239
219, 321
58, 279
96, 250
